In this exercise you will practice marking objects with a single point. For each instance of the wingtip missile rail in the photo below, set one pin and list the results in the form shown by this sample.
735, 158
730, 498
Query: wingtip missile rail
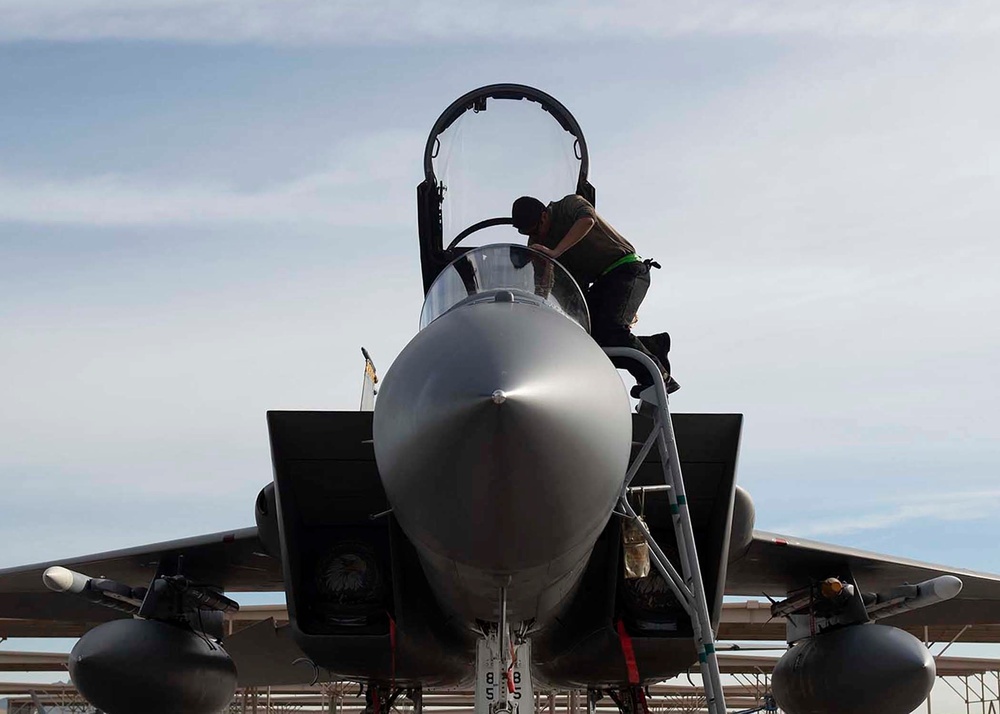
913, 597
99, 591
110, 593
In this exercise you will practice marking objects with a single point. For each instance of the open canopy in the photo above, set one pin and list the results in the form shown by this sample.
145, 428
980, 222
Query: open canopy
489, 147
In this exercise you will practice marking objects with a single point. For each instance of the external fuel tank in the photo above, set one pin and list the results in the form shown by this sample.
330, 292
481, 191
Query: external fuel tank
854, 670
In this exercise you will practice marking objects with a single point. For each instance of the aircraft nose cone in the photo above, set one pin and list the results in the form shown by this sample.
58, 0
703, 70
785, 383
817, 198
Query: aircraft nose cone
502, 435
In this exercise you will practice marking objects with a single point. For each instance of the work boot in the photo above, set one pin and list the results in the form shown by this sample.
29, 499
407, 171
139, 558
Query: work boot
659, 346
669, 382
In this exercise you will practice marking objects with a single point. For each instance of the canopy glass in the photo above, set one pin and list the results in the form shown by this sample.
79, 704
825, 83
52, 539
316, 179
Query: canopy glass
489, 157
505, 272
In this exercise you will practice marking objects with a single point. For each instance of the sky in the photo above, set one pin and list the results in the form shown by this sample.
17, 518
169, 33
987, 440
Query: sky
207, 208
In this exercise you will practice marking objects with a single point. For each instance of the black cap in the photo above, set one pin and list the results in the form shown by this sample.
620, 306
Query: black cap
526, 212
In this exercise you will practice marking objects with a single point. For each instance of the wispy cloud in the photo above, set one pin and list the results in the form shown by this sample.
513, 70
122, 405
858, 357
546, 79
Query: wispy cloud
414, 22
367, 183
937, 507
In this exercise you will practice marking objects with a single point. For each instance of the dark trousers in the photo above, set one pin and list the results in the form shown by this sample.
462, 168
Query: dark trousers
613, 301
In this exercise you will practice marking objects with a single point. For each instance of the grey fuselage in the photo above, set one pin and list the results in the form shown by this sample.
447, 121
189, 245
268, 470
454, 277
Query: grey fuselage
502, 436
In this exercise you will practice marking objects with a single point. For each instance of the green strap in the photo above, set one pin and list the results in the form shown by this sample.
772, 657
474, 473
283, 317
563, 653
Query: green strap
624, 260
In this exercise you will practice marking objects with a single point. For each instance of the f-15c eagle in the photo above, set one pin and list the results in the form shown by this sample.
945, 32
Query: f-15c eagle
469, 529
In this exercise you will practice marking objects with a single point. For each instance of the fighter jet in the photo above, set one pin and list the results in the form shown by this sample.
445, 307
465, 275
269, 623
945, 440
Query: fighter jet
478, 526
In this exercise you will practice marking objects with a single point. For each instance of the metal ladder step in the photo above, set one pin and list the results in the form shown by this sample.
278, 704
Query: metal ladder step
687, 585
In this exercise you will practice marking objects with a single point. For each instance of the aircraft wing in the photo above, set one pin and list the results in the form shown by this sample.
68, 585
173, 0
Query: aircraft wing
232, 560
775, 564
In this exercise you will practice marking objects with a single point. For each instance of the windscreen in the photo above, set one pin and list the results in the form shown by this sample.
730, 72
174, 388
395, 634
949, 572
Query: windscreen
527, 275
487, 158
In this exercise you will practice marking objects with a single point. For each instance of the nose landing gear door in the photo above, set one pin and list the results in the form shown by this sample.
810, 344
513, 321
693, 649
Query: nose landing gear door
503, 687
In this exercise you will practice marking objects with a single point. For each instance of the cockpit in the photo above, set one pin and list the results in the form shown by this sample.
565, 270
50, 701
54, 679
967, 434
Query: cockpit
489, 147
506, 273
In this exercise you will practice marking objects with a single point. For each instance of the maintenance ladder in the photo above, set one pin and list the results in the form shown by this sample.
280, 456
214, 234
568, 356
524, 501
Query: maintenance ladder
689, 589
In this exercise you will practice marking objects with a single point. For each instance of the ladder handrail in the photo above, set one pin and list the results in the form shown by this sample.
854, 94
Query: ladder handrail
691, 590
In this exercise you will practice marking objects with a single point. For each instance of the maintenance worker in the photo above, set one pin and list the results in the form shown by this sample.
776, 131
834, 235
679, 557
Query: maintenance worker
614, 279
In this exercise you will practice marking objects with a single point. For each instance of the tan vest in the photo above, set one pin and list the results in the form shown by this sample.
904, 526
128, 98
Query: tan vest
601, 247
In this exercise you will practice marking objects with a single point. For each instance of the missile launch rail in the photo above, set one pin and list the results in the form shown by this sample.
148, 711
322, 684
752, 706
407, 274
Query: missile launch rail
687, 585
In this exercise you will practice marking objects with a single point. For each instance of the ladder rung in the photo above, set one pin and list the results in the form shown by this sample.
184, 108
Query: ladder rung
649, 489
690, 590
